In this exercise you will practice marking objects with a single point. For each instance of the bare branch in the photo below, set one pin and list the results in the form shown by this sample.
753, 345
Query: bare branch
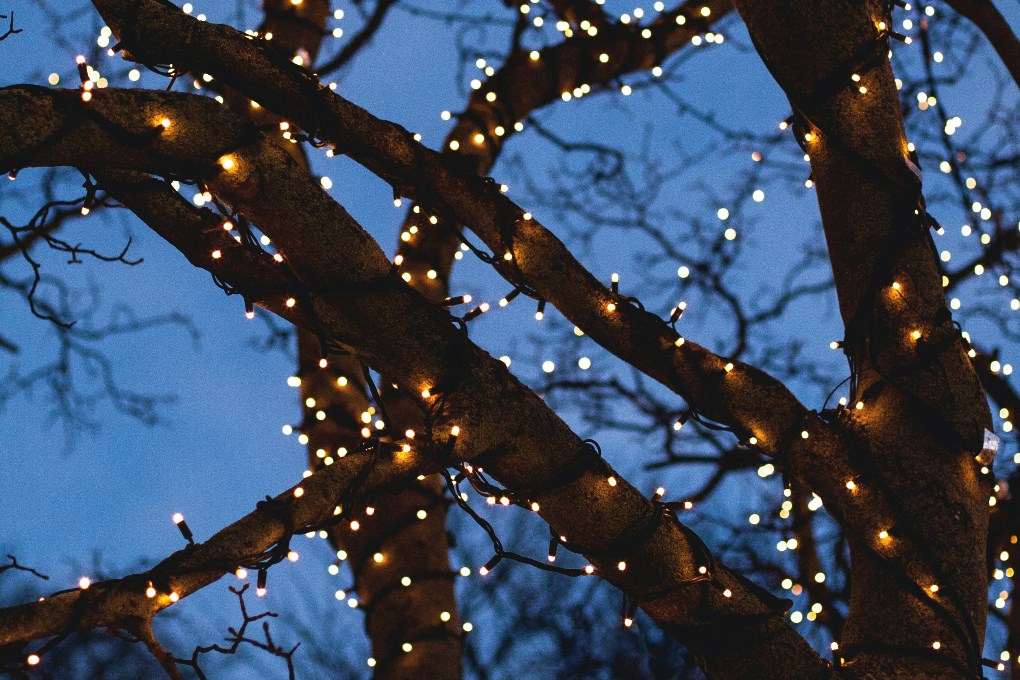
10, 28
20, 567
239, 636
359, 40
990, 21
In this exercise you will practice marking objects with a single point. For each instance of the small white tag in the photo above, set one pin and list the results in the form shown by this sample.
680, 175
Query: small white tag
989, 450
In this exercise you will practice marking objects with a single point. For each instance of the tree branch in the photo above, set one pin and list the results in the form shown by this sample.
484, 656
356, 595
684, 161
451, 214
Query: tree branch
348, 294
359, 40
988, 19
540, 260
919, 412
332, 422
123, 603
529, 80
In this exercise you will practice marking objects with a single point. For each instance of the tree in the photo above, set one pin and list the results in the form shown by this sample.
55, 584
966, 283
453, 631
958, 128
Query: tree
403, 409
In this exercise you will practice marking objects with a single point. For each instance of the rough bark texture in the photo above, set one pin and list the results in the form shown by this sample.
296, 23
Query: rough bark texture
915, 517
986, 16
752, 403
539, 258
395, 614
350, 295
411, 545
916, 447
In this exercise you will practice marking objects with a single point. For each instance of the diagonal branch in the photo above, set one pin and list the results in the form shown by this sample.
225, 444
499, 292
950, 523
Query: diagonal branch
538, 259
531, 79
986, 16
360, 39
334, 399
124, 603
919, 413
348, 294
756, 406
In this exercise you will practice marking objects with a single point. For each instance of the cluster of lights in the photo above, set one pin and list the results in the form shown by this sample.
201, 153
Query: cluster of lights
228, 163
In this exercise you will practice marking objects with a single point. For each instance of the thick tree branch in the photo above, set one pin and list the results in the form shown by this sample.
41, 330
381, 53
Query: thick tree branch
539, 259
124, 603
351, 298
757, 407
529, 80
396, 615
920, 412
988, 19
407, 529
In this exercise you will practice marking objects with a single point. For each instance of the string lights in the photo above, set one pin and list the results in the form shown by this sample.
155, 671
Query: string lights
510, 259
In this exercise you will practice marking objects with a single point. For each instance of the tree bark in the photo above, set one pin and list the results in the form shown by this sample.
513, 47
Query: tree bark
365, 309
414, 548
915, 448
